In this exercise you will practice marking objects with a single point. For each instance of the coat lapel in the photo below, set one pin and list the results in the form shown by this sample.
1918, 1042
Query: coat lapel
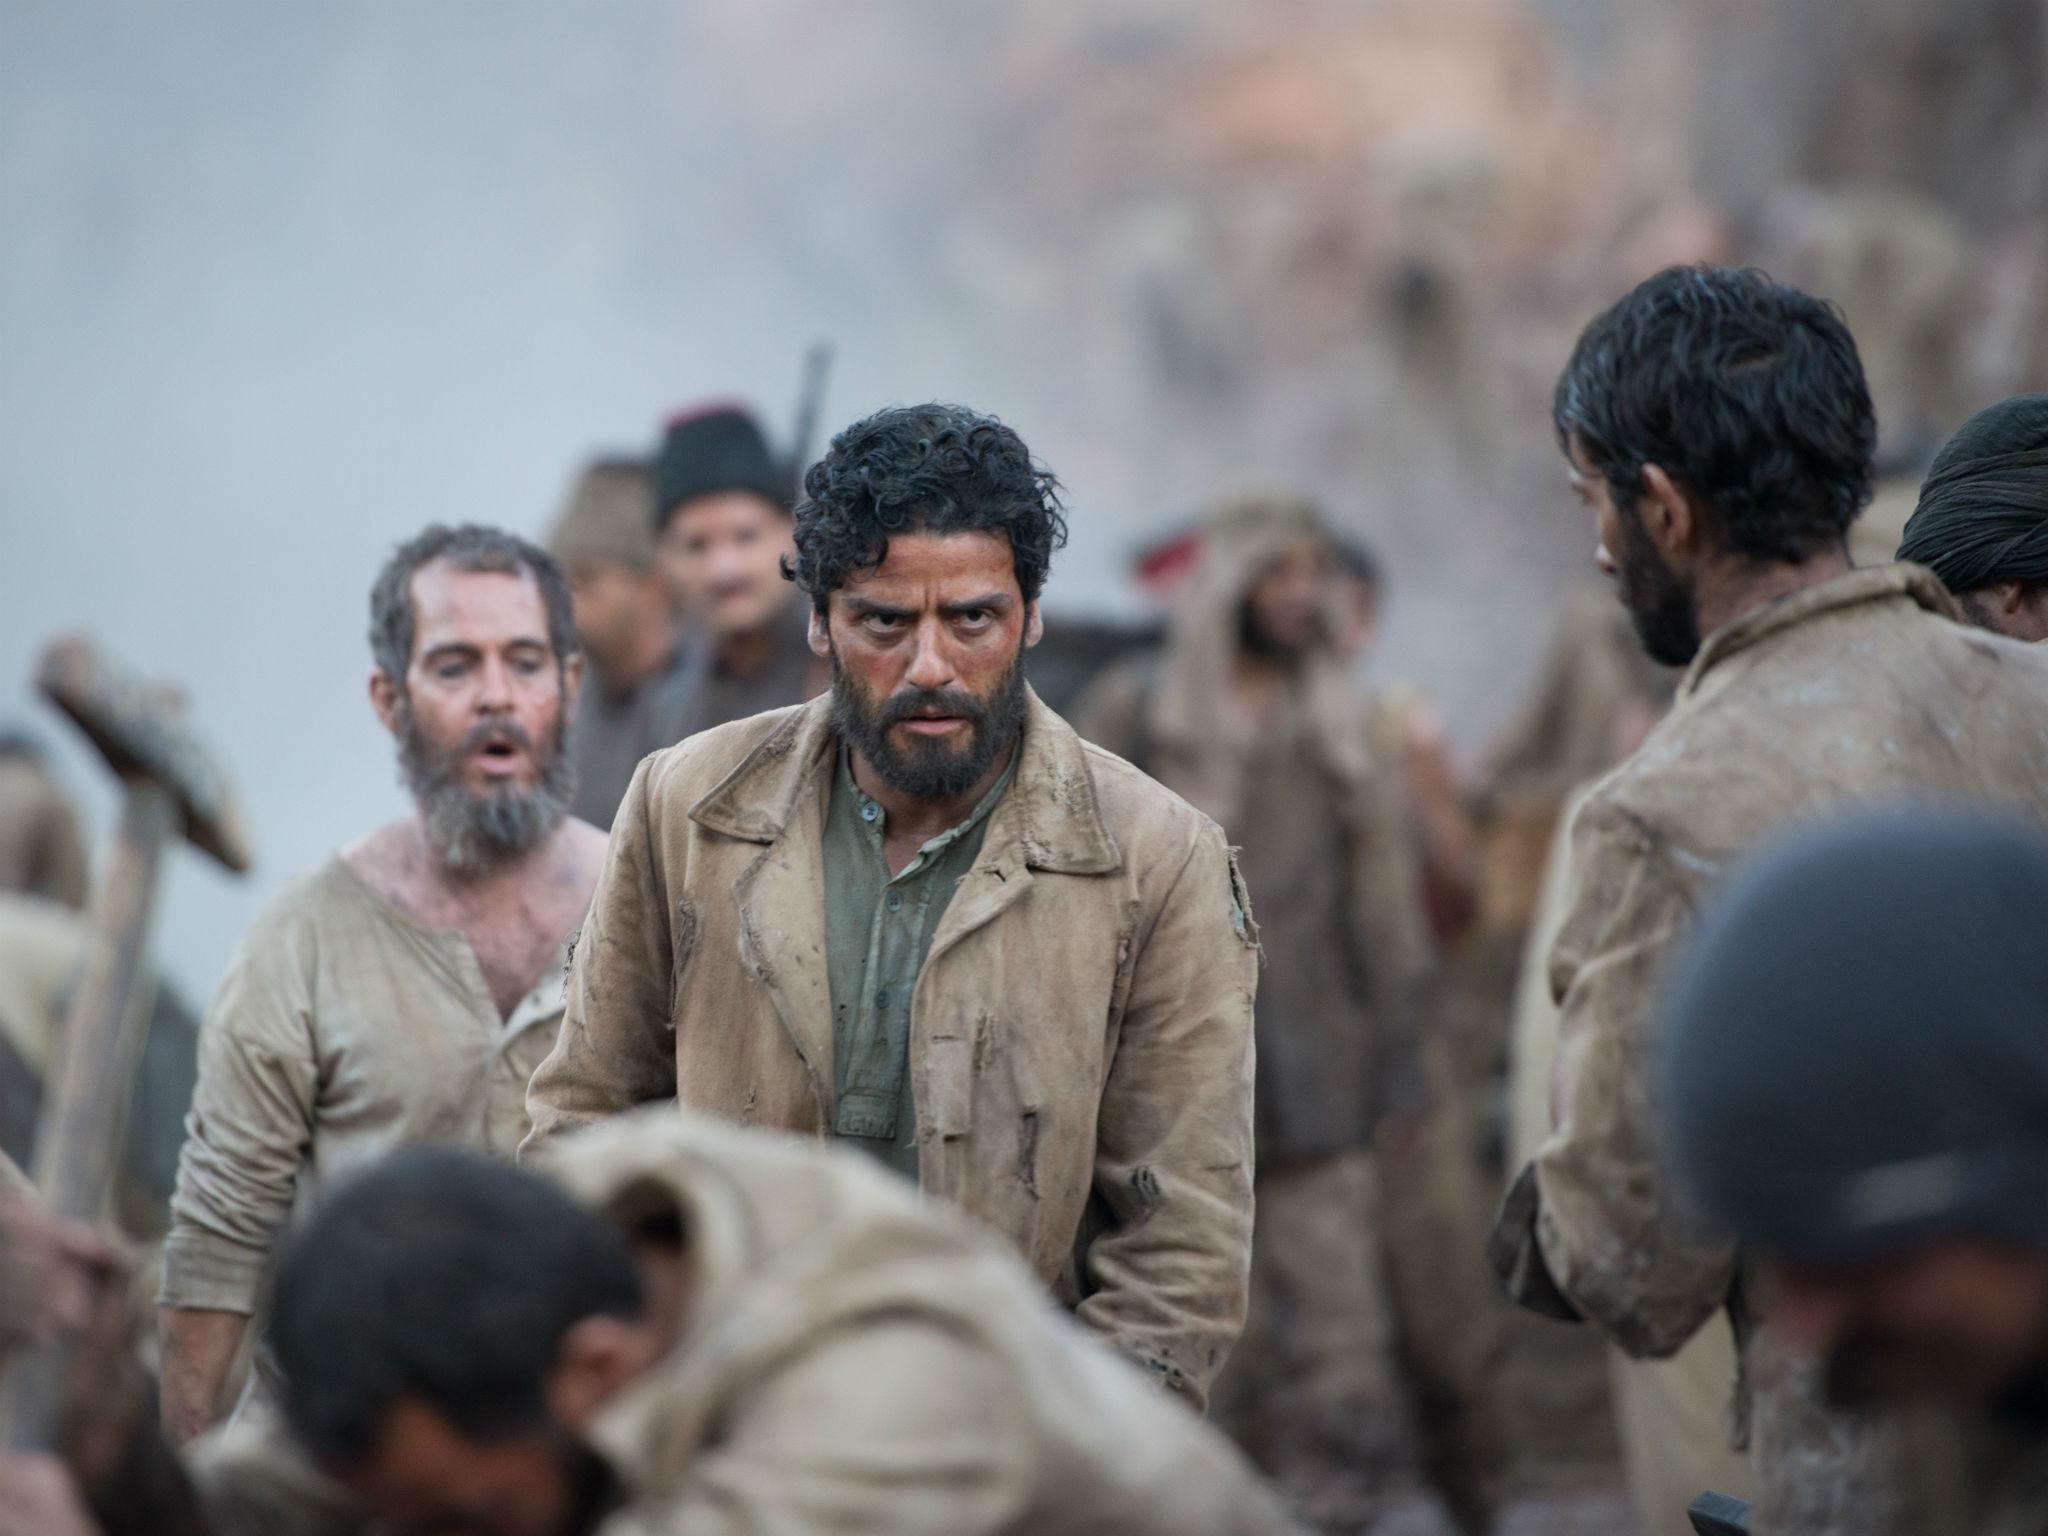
776, 797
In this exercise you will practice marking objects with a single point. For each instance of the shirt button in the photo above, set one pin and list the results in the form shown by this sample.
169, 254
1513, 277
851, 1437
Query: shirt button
894, 901
870, 812
882, 1000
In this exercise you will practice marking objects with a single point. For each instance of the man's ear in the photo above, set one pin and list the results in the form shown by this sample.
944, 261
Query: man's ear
1668, 514
598, 1357
1034, 624
384, 699
573, 669
2005, 598
818, 634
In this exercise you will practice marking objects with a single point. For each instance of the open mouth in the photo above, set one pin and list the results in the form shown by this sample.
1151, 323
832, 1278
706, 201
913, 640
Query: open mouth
498, 756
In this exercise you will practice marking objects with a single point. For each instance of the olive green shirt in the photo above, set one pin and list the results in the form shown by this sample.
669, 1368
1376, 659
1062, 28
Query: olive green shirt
878, 930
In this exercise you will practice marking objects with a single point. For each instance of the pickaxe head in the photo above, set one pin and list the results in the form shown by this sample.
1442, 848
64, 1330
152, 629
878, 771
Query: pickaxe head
143, 733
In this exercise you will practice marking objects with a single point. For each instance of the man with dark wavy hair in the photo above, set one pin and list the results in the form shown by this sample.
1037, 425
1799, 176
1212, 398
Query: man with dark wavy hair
920, 916
1717, 426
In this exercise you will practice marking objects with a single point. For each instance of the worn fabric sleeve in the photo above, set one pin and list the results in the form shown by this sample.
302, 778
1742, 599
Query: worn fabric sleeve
898, 1428
1174, 1139
250, 1127
1591, 1227
616, 1048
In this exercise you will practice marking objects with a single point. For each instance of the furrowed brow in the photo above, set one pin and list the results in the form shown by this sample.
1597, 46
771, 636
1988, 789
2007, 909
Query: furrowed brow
990, 602
867, 607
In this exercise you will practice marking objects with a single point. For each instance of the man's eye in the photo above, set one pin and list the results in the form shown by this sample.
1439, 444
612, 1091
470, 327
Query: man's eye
973, 618
882, 623
448, 671
528, 664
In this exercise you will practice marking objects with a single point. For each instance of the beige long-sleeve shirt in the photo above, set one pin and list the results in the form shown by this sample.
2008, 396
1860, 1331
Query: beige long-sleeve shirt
342, 1029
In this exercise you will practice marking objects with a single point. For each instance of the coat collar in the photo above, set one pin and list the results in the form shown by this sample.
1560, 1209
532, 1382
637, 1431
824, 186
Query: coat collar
1873, 584
1051, 812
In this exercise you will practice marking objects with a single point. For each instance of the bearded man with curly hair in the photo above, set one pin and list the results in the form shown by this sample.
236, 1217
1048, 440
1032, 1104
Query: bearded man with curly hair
921, 917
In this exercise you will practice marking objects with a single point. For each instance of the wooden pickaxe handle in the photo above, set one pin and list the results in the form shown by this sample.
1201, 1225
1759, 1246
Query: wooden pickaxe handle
173, 788
81, 1131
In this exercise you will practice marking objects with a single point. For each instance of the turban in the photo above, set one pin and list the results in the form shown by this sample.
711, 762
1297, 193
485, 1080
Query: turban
1982, 517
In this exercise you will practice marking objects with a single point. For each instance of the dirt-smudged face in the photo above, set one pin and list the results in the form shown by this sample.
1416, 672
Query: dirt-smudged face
721, 556
1289, 609
1958, 1318
482, 716
615, 605
926, 653
425, 1477
1659, 601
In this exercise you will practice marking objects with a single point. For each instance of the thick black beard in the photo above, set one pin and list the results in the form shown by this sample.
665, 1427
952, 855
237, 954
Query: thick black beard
1256, 643
476, 833
1659, 604
930, 770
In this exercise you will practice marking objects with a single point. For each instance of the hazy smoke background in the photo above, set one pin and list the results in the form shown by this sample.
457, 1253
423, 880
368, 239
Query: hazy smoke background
280, 284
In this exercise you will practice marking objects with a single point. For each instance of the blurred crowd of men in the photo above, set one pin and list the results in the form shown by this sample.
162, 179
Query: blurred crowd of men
780, 1074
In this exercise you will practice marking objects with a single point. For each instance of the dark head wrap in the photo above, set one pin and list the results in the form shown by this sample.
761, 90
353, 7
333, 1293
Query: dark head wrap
1853, 1054
1983, 512
717, 448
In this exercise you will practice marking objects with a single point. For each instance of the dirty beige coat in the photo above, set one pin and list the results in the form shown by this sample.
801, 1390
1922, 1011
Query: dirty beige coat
341, 1030
854, 1360
1671, 1415
1855, 691
1080, 1052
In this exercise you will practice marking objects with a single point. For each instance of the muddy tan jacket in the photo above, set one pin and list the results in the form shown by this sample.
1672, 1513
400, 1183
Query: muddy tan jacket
1856, 691
855, 1360
1081, 1028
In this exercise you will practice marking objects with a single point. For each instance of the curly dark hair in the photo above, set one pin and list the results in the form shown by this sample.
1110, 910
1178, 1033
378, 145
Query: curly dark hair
923, 469
1747, 392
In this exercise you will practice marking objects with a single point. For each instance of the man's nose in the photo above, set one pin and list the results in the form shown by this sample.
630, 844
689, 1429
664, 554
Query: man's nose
495, 696
930, 667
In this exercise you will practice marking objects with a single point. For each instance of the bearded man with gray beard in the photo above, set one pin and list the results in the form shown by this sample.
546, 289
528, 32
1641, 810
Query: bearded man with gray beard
405, 990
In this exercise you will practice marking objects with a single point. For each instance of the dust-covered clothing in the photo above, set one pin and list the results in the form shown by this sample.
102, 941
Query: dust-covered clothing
878, 931
341, 1030
1671, 1414
1856, 691
615, 728
1330, 855
1312, 1392
1080, 1032
854, 1360
42, 850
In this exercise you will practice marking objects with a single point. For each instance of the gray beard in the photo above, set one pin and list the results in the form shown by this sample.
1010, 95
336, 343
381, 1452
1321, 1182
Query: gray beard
476, 833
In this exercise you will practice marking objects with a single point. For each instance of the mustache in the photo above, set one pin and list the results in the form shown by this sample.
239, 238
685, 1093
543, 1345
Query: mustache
489, 733
932, 701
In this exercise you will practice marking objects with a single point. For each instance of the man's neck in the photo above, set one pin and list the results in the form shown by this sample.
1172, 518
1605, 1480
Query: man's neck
747, 651
1728, 591
915, 819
